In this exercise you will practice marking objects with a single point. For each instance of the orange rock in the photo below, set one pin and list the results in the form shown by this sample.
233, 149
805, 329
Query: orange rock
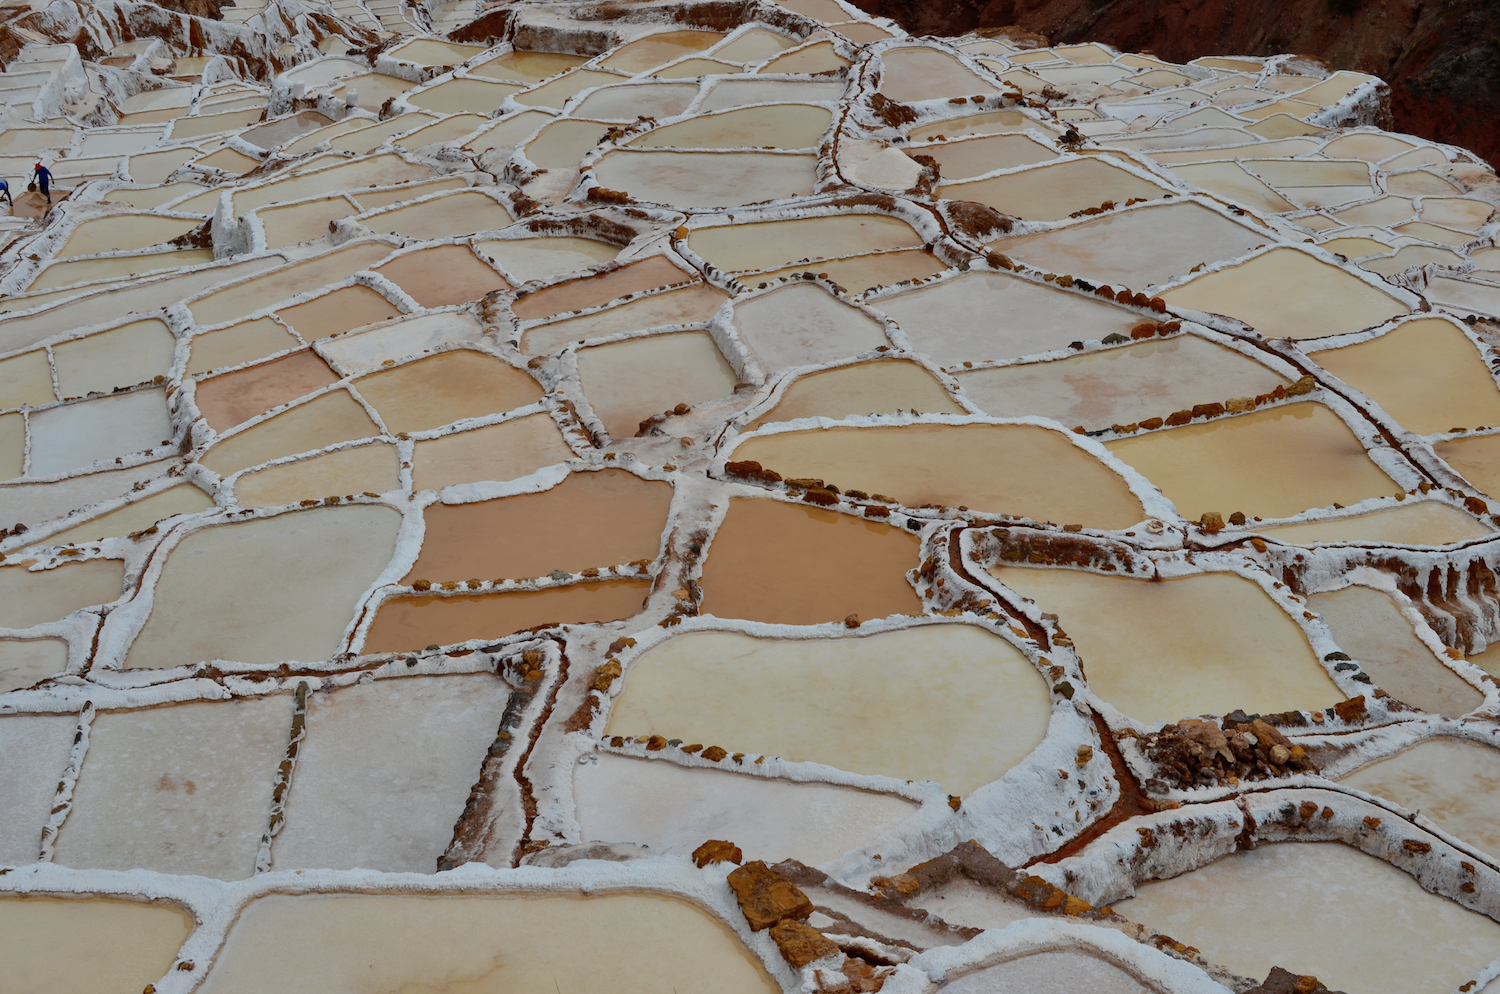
1304, 384
606, 675
1040, 894
766, 898
861, 977
902, 883
1268, 734
801, 944
1076, 906
717, 851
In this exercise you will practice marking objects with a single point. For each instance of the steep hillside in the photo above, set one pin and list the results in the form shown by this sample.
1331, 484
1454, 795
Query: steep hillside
1441, 58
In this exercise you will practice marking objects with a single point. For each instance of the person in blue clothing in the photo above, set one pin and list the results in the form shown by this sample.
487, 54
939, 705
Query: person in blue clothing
5, 192
43, 177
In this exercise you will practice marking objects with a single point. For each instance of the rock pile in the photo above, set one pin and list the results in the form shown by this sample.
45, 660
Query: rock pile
1199, 753
1281, 981
767, 900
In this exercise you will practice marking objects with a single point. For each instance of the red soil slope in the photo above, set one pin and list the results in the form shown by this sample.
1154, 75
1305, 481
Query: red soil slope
1441, 57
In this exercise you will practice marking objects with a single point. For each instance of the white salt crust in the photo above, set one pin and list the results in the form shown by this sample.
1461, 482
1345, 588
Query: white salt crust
1164, 544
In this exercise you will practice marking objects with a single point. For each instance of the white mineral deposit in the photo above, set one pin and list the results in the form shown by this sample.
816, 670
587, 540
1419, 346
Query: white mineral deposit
567, 497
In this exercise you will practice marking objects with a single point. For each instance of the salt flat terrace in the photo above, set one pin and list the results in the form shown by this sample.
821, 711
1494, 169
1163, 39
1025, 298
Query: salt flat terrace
570, 497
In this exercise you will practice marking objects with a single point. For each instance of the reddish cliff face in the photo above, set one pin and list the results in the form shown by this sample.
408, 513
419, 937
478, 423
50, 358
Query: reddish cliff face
1441, 57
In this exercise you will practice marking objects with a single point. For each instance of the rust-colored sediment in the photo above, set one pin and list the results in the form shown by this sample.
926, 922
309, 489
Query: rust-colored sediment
1132, 802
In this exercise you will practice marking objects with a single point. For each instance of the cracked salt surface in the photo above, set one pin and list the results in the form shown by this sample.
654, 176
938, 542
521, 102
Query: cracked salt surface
454, 464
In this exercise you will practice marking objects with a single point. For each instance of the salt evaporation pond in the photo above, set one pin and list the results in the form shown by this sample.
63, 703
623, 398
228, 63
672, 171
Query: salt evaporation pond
560, 498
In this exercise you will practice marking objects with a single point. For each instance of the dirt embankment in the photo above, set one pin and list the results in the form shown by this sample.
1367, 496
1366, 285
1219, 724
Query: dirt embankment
197, 8
1441, 57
